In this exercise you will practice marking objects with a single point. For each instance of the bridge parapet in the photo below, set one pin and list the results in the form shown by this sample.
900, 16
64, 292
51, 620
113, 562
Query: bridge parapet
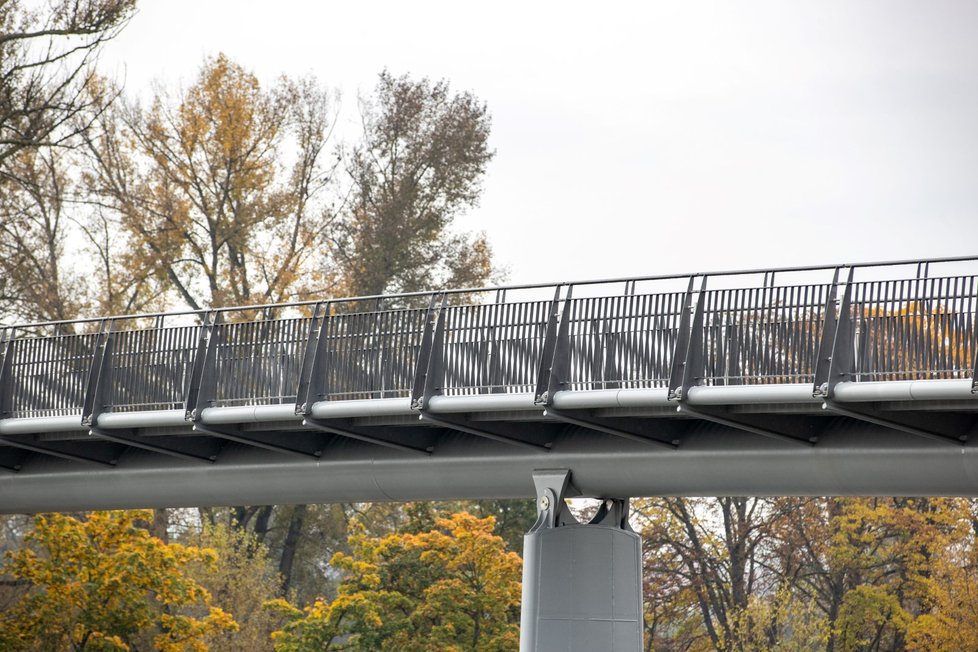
886, 322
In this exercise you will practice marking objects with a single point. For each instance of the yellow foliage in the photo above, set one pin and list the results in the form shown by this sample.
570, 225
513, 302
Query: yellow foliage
952, 621
104, 583
219, 191
453, 588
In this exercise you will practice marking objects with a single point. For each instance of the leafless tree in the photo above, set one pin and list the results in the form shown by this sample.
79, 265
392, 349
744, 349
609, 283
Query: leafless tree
47, 52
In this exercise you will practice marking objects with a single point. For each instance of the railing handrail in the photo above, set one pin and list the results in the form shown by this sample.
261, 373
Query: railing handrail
499, 288
815, 331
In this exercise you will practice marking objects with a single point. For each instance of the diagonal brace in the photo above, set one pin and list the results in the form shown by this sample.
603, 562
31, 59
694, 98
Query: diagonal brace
173, 450
597, 424
52, 449
887, 422
724, 420
353, 433
314, 451
479, 430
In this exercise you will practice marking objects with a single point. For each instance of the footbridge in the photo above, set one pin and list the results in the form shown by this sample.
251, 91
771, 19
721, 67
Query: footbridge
843, 379
849, 379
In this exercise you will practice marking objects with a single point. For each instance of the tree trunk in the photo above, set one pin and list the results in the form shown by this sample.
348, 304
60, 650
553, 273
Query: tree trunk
159, 528
289, 547
262, 522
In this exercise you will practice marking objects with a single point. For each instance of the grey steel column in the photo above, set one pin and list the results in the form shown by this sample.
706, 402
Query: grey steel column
582, 583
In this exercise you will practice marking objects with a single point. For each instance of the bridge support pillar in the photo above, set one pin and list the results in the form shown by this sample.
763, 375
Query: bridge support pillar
582, 583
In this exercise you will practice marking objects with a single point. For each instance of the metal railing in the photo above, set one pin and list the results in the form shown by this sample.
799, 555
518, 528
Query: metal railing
907, 320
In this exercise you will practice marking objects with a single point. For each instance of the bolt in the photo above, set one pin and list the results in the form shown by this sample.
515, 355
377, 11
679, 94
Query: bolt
544, 502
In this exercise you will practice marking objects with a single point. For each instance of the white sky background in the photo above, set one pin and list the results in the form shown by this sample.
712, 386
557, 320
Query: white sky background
657, 137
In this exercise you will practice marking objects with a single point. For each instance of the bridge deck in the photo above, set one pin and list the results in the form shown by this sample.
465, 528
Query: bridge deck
454, 386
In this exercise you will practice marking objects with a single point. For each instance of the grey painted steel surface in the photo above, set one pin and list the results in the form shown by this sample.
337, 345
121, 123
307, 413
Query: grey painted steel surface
582, 590
908, 391
582, 583
837, 379
854, 459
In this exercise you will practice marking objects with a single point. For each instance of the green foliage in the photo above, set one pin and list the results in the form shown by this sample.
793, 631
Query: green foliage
418, 166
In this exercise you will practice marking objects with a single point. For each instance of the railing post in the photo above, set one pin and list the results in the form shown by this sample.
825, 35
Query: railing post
839, 365
555, 354
202, 388
830, 323
6, 375
974, 344
312, 374
687, 359
99, 374
11, 458
429, 372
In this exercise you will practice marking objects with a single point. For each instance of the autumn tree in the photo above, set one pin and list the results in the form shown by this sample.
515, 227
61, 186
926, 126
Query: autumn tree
47, 54
838, 574
240, 582
452, 588
220, 190
227, 193
36, 283
951, 621
418, 166
104, 583
714, 548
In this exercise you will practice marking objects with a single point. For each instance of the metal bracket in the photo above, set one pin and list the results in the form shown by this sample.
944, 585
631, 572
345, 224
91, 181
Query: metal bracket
11, 458
313, 448
63, 450
887, 422
429, 372
974, 372
687, 358
555, 356
552, 511
479, 430
201, 389
352, 432
726, 420
609, 427
613, 512
312, 374
99, 375
974, 343
839, 365
830, 324
186, 448
7, 378
551, 487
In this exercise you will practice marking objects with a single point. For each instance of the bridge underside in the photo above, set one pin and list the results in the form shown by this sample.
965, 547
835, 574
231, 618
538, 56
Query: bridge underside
914, 447
852, 379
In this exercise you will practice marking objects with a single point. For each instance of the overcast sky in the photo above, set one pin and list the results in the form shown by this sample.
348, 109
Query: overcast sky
656, 137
